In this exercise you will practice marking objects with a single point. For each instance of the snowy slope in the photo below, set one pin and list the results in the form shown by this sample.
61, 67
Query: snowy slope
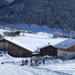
2, 31
36, 28
52, 67
11, 65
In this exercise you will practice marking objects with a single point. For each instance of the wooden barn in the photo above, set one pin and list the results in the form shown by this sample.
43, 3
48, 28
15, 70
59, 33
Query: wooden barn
66, 49
48, 50
15, 48
12, 33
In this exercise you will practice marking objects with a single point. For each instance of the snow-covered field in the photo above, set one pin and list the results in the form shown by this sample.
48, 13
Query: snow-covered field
12, 66
36, 28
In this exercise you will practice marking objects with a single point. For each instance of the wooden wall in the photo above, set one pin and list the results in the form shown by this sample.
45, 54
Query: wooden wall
70, 49
1, 45
14, 49
51, 51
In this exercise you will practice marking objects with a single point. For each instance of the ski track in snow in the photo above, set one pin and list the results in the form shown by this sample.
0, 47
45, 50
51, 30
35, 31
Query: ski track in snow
43, 71
57, 72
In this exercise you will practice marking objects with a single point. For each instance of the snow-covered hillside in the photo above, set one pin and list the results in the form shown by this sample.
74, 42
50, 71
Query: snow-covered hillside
12, 66
36, 28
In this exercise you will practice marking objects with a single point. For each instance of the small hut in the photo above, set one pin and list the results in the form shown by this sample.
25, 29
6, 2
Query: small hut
12, 33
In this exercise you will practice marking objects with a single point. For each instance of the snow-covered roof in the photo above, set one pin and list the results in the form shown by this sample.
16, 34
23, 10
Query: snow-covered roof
51, 42
66, 43
33, 41
44, 45
18, 43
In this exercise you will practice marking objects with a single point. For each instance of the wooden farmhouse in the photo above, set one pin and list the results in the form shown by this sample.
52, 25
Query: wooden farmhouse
66, 49
15, 48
